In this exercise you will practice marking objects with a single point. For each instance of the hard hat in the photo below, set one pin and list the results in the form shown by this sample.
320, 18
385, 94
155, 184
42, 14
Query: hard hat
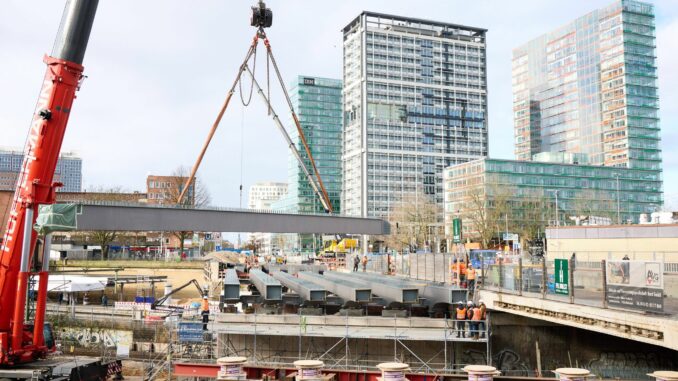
469, 303
461, 303
481, 301
204, 297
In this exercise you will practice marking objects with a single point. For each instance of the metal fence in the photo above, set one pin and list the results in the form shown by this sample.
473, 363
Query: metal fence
425, 266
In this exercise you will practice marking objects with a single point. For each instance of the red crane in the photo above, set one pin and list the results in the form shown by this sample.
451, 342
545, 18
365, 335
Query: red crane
35, 187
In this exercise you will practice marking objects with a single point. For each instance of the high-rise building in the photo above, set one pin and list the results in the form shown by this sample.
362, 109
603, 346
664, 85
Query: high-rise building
68, 170
590, 87
415, 102
317, 102
264, 193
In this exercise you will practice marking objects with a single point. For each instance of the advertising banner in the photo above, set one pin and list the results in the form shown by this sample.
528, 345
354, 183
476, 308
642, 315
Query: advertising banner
562, 277
637, 285
456, 230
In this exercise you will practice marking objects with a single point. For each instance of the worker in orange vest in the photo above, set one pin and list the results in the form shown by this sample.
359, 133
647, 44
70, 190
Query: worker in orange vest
471, 277
461, 319
476, 317
205, 312
482, 326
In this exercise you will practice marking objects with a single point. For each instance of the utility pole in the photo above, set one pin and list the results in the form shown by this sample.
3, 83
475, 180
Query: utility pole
557, 214
618, 201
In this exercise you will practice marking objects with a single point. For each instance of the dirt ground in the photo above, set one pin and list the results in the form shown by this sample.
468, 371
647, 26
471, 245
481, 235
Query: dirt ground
176, 277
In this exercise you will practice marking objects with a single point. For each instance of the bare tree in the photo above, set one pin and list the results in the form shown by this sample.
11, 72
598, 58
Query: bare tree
414, 222
198, 196
105, 194
533, 212
483, 208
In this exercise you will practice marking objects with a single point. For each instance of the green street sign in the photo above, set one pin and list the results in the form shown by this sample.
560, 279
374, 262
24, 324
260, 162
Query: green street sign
561, 277
456, 230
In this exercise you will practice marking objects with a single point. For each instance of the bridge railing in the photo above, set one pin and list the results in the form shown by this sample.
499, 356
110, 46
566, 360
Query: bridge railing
585, 284
592, 259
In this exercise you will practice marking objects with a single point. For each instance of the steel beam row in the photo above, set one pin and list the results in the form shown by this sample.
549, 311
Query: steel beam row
269, 288
345, 289
306, 289
389, 290
433, 292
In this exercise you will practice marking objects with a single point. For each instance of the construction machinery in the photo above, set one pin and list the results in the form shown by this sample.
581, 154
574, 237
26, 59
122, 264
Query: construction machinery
24, 342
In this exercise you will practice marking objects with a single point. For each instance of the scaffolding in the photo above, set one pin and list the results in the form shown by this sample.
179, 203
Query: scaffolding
354, 346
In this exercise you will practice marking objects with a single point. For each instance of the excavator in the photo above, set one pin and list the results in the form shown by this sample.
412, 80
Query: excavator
23, 342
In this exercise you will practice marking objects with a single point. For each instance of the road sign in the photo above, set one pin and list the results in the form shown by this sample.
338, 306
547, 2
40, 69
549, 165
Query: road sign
217, 248
456, 230
510, 236
562, 277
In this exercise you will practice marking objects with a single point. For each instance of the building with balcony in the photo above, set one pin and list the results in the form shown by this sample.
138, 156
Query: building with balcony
590, 87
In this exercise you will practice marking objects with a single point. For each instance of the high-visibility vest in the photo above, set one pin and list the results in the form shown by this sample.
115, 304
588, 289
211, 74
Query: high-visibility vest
205, 305
471, 274
461, 313
477, 315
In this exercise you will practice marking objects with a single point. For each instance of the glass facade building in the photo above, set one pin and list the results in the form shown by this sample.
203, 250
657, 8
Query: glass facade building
415, 102
591, 87
317, 102
68, 170
620, 194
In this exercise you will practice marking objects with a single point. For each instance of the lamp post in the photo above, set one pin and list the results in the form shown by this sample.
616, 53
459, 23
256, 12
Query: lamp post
618, 200
557, 214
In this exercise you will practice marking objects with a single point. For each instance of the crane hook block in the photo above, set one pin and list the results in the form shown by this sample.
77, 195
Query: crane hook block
262, 17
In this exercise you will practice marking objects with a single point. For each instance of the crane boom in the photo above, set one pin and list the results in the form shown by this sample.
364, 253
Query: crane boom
34, 185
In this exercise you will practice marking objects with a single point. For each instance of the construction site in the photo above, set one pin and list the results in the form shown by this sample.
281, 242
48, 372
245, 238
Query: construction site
351, 310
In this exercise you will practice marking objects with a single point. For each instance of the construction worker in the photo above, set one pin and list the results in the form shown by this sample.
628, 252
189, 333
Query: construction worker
483, 317
356, 263
471, 277
461, 319
205, 312
476, 317
364, 263
469, 317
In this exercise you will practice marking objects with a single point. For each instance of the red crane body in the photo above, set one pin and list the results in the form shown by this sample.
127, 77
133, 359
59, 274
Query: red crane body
34, 186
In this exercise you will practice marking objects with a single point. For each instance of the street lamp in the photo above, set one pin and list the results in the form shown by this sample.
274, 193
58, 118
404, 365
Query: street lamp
557, 214
616, 175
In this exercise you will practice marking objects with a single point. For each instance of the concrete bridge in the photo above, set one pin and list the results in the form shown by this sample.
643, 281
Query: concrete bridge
661, 330
135, 217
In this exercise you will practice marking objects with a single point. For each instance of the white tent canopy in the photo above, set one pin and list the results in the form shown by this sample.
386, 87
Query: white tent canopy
75, 283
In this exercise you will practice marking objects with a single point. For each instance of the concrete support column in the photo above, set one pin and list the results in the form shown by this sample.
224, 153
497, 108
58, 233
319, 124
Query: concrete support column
572, 374
664, 375
481, 372
308, 370
231, 369
392, 371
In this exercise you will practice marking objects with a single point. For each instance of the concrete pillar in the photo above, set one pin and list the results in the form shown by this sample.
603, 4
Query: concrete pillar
480, 372
231, 368
308, 370
572, 374
392, 371
664, 375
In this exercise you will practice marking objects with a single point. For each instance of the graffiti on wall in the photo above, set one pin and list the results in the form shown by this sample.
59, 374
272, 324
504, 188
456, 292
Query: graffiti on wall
628, 365
506, 360
96, 337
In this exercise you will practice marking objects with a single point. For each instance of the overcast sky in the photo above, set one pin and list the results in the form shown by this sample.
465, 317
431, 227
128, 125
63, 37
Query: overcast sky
158, 72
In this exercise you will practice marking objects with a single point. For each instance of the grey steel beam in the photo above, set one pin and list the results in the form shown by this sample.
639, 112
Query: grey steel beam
433, 292
231, 286
156, 218
269, 288
345, 289
306, 289
389, 291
